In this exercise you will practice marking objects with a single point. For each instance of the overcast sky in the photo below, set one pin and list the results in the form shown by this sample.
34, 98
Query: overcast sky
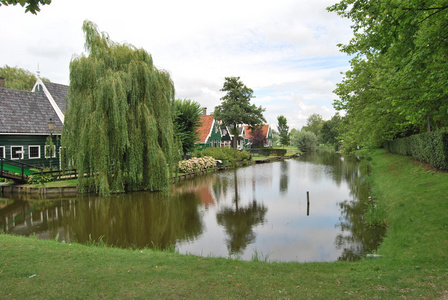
286, 50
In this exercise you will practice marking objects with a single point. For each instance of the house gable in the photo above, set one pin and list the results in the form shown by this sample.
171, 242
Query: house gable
209, 130
55, 94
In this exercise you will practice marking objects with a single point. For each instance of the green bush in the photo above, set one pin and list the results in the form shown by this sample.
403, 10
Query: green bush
224, 153
38, 178
305, 141
429, 147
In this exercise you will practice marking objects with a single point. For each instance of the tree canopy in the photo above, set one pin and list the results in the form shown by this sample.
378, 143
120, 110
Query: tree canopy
187, 120
31, 6
283, 130
119, 124
314, 124
396, 85
18, 79
235, 108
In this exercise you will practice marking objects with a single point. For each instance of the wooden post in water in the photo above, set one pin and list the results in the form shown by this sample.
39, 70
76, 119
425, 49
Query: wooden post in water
307, 203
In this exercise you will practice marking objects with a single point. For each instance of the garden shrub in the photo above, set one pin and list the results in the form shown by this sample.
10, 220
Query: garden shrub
197, 164
224, 153
305, 141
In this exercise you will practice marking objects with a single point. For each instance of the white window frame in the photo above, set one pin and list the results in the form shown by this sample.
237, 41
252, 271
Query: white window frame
2, 152
13, 152
29, 151
54, 151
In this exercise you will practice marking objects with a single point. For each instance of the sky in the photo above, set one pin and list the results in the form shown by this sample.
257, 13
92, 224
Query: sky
285, 51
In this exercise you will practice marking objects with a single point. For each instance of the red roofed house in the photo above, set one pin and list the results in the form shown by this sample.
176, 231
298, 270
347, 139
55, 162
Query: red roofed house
209, 132
258, 137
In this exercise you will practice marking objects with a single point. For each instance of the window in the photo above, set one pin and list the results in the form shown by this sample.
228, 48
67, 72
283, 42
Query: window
2, 152
33, 152
16, 152
50, 151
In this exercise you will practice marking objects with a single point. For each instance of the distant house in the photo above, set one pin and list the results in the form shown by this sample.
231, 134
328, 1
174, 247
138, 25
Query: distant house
227, 138
28, 119
259, 137
209, 132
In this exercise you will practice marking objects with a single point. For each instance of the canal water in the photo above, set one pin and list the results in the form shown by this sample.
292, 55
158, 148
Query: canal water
260, 211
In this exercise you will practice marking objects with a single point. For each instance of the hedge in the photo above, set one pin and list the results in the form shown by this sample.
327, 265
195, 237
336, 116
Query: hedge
269, 152
429, 147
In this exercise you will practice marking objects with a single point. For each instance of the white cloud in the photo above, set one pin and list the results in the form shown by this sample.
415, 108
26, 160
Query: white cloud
285, 51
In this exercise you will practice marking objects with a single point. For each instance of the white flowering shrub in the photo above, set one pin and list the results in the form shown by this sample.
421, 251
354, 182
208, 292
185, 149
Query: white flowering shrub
197, 164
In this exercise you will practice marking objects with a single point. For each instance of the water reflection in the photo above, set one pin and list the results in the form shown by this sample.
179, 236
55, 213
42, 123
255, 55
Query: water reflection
239, 221
231, 213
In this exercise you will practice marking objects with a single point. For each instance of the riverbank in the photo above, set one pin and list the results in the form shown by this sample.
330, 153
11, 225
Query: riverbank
413, 262
66, 188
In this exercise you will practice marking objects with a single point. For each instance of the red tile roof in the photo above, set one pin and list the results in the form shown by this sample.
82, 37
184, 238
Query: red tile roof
205, 128
264, 128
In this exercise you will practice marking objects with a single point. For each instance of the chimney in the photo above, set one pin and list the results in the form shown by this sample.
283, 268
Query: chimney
2, 82
204, 111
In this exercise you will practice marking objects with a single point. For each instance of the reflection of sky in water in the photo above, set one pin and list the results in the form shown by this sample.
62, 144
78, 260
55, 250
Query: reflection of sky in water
203, 216
287, 233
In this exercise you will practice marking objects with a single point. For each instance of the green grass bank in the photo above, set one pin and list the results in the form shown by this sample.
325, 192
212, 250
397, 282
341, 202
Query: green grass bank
414, 262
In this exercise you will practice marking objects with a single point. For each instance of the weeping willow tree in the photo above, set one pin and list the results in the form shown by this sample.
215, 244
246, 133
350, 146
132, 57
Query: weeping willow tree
118, 127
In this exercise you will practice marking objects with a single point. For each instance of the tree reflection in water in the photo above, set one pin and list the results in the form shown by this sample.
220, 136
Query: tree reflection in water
356, 237
239, 222
222, 214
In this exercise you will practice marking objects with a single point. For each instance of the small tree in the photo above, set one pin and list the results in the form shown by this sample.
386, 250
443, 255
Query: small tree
258, 137
305, 141
283, 130
314, 124
187, 120
236, 110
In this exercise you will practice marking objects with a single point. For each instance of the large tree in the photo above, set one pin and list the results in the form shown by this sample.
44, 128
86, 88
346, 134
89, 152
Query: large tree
396, 85
236, 110
330, 130
18, 79
283, 130
119, 125
32, 6
314, 124
187, 121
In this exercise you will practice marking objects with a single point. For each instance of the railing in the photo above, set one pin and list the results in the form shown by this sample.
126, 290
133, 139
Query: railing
60, 174
16, 169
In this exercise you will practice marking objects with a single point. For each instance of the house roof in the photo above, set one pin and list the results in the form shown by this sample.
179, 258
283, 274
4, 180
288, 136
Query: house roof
25, 112
264, 129
205, 128
59, 92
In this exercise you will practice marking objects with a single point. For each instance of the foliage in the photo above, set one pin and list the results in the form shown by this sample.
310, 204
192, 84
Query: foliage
314, 124
283, 130
395, 87
257, 137
305, 141
38, 178
119, 125
429, 147
197, 164
187, 121
18, 79
223, 153
235, 109
330, 130
32, 6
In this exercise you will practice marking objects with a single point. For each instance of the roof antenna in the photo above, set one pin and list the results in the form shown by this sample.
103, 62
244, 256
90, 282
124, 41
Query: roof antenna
38, 71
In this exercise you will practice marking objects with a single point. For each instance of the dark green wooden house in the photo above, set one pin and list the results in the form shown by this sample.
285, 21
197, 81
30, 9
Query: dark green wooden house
29, 121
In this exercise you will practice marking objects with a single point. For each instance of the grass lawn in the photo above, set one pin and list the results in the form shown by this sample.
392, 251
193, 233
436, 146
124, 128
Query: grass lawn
414, 262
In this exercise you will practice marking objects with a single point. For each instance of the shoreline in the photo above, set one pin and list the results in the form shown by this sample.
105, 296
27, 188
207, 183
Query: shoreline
73, 190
